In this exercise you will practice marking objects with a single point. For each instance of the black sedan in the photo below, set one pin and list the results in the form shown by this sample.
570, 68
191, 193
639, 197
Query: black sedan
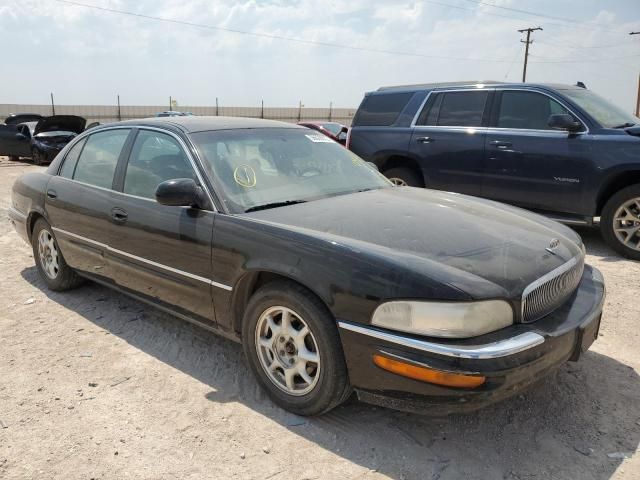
333, 279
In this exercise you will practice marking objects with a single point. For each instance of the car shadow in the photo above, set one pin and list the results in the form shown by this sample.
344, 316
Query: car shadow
564, 427
596, 245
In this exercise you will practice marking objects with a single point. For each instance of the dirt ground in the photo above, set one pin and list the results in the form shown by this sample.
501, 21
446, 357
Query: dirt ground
94, 385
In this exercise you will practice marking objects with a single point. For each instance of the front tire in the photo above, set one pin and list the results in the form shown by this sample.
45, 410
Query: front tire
292, 345
404, 177
37, 157
50, 263
620, 222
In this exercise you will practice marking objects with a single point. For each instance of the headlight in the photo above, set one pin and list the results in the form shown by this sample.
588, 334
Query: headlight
444, 319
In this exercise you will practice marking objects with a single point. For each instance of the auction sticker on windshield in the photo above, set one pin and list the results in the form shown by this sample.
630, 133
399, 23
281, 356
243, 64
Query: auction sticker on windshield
319, 138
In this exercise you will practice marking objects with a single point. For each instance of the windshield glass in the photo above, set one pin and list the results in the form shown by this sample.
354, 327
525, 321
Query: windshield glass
258, 167
605, 113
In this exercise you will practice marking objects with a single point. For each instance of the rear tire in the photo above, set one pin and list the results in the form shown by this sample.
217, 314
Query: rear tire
14, 158
50, 263
620, 222
292, 345
36, 157
403, 176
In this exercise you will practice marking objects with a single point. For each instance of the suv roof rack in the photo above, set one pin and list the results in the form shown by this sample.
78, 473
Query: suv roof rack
440, 84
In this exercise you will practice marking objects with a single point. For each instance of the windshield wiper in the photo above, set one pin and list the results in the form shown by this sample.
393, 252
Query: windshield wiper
273, 205
624, 125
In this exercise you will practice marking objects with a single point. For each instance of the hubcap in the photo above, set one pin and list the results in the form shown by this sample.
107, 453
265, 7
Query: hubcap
48, 254
398, 182
626, 224
287, 350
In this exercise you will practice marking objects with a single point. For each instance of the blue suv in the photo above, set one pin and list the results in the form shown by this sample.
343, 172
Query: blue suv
557, 149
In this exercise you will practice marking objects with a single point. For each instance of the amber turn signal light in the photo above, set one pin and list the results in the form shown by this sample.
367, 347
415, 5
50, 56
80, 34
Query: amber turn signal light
429, 375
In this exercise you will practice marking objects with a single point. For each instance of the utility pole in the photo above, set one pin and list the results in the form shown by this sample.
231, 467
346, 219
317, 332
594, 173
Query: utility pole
638, 95
526, 49
119, 111
53, 106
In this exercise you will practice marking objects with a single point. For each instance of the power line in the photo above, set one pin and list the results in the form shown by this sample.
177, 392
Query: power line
274, 36
595, 60
580, 47
544, 15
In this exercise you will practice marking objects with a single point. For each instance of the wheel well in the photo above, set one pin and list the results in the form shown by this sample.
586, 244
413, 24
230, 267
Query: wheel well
245, 289
396, 161
31, 221
621, 181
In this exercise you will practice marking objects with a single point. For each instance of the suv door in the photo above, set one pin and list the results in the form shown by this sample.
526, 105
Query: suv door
448, 138
527, 162
78, 200
161, 252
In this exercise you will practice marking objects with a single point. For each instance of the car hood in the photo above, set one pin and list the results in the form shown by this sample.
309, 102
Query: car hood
487, 240
66, 123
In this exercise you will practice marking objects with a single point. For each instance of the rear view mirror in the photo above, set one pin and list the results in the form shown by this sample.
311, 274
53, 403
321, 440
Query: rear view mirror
180, 192
562, 121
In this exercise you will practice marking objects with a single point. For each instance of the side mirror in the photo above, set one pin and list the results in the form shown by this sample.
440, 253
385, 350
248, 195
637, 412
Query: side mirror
180, 192
562, 121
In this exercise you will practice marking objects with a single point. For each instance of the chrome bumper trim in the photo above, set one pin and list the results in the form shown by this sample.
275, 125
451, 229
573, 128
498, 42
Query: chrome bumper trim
501, 348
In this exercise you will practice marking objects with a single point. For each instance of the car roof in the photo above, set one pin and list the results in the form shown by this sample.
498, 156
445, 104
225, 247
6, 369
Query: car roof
194, 123
473, 83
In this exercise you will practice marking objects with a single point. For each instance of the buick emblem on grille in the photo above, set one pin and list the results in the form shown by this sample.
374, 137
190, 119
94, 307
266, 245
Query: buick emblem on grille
553, 244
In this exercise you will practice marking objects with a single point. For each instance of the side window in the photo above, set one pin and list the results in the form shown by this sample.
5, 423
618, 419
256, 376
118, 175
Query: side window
155, 157
527, 110
462, 109
71, 160
381, 110
99, 157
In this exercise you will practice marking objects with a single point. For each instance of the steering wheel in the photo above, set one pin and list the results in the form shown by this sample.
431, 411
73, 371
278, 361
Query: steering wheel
309, 172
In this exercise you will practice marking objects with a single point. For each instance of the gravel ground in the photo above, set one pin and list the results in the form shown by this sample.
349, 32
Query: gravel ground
96, 385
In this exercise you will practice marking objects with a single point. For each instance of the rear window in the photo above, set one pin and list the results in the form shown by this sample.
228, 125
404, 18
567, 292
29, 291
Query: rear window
381, 110
455, 109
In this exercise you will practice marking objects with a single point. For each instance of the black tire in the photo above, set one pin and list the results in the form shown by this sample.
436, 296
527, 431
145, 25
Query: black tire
332, 387
65, 277
608, 222
36, 157
410, 177
14, 158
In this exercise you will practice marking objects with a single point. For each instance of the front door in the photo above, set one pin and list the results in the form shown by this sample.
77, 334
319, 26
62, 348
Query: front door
13, 142
528, 163
158, 251
448, 140
78, 201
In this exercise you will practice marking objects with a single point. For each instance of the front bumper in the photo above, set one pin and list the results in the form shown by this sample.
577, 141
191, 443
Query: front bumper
511, 359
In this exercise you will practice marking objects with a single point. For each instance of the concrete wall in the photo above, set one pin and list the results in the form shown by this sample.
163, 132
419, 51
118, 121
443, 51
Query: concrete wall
109, 113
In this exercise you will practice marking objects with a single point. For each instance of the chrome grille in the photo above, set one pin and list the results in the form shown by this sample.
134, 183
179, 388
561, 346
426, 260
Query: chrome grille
550, 291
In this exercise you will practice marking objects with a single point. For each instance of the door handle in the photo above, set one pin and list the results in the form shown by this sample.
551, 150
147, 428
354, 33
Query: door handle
500, 144
51, 194
424, 139
118, 215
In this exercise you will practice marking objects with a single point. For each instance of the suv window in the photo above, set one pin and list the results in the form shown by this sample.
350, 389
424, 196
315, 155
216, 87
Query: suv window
527, 110
99, 157
454, 109
71, 159
155, 157
381, 110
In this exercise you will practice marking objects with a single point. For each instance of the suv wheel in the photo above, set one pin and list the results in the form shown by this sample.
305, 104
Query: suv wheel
37, 157
620, 222
403, 176
293, 348
14, 158
49, 260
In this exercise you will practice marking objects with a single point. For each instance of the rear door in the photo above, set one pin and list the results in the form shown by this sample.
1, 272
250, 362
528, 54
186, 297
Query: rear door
448, 138
161, 252
78, 200
13, 142
528, 163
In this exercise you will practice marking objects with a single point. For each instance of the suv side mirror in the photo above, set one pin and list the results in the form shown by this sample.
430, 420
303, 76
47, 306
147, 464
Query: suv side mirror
562, 121
180, 192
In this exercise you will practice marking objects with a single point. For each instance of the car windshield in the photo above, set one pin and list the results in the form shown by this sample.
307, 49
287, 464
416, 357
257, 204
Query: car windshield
605, 113
334, 128
270, 167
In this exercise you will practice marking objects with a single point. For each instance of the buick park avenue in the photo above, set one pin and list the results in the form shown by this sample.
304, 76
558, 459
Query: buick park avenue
333, 279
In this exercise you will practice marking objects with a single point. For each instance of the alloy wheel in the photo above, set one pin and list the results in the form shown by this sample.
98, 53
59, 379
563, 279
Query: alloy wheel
398, 182
48, 254
626, 224
287, 350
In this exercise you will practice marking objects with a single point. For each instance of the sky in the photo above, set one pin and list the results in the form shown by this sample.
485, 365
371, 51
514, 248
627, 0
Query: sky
88, 56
